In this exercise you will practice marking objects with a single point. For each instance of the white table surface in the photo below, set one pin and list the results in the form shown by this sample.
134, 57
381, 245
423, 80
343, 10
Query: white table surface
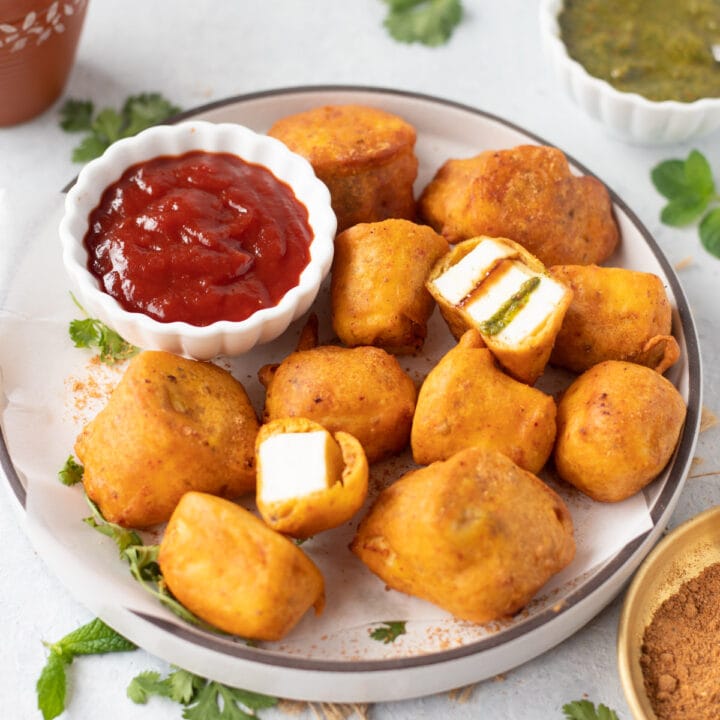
196, 51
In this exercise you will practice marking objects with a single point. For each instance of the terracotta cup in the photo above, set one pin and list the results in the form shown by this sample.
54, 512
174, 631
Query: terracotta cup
38, 39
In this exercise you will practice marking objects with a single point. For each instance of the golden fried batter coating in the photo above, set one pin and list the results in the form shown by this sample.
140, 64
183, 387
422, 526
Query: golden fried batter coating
171, 425
362, 391
301, 513
474, 534
365, 156
616, 314
378, 294
231, 570
618, 425
466, 400
528, 194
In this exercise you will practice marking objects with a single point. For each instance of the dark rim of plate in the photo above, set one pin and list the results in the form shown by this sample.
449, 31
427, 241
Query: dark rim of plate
681, 461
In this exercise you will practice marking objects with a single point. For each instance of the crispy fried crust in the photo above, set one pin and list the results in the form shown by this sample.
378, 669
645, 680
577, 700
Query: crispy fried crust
378, 294
616, 314
618, 425
466, 400
362, 391
365, 156
528, 194
171, 425
475, 534
231, 570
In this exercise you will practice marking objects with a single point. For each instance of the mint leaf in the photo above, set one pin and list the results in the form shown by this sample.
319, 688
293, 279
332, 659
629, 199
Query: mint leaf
51, 687
389, 632
430, 22
93, 638
699, 175
684, 209
71, 472
710, 232
669, 178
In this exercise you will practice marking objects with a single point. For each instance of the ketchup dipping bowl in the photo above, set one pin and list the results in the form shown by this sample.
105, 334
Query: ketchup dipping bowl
179, 271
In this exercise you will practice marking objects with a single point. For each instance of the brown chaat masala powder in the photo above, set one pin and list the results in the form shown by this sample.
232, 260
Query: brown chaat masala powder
681, 651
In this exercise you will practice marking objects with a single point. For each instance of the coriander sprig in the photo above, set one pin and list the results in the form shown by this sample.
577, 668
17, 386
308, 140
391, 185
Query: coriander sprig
585, 710
92, 639
138, 112
203, 699
430, 22
690, 190
389, 631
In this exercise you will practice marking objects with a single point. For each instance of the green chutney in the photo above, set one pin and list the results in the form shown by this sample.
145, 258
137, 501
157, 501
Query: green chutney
661, 49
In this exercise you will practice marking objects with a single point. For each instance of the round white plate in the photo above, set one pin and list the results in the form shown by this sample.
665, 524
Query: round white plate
332, 658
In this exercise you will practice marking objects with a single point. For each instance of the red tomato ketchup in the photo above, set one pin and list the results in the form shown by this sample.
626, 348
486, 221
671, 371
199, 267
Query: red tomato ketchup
198, 237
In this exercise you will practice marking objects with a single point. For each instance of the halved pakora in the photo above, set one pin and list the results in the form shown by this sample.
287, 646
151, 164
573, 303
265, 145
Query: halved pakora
618, 425
497, 287
171, 425
307, 480
362, 391
378, 294
615, 314
466, 400
528, 194
230, 569
475, 534
364, 155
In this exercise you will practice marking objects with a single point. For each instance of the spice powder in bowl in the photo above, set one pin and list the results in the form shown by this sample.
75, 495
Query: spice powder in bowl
681, 651
669, 630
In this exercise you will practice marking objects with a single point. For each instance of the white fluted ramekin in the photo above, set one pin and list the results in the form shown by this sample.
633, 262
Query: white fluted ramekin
628, 116
223, 337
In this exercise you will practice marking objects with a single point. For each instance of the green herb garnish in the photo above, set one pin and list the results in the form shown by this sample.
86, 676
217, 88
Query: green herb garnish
71, 472
389, 631
203, 699
139, 112
92, 639
689, 188
92, 333
143, 562
585, 710
430, 22
510, 308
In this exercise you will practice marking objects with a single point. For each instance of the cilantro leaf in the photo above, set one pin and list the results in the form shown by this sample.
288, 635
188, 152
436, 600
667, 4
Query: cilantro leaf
137, 113
122, 537
71, 472
76, 115
92, 333
710, 232
430, 22
585, 710
93, 638
389, 631
220, 702
184, 685
148, 683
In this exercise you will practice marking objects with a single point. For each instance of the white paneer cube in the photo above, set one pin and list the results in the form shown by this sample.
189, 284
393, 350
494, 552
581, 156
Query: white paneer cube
459, 280
295, 464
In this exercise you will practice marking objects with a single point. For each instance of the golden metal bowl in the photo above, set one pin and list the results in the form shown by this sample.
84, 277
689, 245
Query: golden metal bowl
681, 555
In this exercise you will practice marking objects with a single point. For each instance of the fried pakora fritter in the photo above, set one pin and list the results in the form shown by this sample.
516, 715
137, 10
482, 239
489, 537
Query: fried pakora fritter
307, 480
618, 425
497, 287
466, 400
615, 314
231, 570
378, 294
475, 534
529, 195
362, 391
171, 425
365, 156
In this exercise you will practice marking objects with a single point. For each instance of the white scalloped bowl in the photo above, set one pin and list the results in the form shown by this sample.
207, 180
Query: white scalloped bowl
222, 337
627, 116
